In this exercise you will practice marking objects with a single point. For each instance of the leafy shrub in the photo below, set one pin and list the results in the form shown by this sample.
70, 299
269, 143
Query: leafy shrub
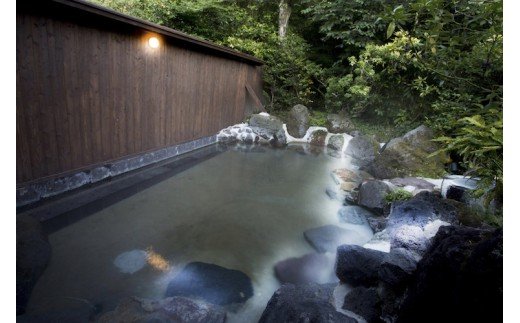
479, 141
398, 195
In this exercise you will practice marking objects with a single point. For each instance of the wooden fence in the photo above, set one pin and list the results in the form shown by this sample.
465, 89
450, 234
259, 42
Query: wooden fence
91, 90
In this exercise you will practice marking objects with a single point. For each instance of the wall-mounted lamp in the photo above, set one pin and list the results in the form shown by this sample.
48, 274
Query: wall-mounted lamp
153, 42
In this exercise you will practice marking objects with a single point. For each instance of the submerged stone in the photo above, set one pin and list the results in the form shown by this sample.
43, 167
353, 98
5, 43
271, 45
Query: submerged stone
171, 309
310, 268
212, 283
131, 261
354, 214
327, 238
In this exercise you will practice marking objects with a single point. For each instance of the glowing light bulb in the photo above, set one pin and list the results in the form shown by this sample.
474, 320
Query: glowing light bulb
153, 42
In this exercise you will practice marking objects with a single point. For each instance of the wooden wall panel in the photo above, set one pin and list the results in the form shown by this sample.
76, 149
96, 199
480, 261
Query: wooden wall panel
89, 93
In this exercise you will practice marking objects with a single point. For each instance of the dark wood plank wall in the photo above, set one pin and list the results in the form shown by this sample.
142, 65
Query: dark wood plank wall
88, 94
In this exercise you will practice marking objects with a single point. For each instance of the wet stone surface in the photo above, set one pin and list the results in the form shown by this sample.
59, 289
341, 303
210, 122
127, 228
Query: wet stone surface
212, 283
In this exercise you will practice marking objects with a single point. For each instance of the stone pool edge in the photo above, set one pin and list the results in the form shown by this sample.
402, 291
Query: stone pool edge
40, 190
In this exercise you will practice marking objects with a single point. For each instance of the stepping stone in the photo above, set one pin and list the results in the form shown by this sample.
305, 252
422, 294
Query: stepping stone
310, 268
212, 283
327, 238
354, 214
131, 261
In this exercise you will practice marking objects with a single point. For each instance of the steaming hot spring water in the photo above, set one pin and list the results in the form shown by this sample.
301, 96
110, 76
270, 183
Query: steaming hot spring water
244, 208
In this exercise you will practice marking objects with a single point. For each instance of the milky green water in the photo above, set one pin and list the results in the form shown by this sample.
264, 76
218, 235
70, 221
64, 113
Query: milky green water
243, 211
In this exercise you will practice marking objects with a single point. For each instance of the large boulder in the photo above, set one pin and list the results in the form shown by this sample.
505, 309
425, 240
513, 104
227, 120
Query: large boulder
461, 275
171, 309
357, 266
298, 121
309, 268
397, 268
372, 195
408, 156
363, 150
412, 224
360, 266
33, 253
421, 210
364, 302
303, 303
268, 127
327, 238
339, 123
212, 283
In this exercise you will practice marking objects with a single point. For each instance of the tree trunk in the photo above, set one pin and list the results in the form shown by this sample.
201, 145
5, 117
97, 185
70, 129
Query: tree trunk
283, 18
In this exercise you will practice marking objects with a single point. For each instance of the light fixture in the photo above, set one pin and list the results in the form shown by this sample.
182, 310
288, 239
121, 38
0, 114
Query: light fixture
153, 42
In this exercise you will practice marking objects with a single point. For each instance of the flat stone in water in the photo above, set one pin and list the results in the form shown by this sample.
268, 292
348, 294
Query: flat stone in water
354, 214
310, 268
327, 238
212, 283
131, 261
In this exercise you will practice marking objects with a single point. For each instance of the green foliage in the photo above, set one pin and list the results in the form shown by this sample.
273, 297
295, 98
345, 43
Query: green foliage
352, 23
479, 141
318, 119
398, 195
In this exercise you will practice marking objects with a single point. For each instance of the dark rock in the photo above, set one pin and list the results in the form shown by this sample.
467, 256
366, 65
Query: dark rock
336, 142
363, 150
317, 138
354, 214
327, 238
408, 156
357, 266
377, 223
418, 183
212, 283
364, 302
298, 121
269, 128
33, 253
310, 268
420, 210
391, 302
338, 123
461, 274
171, 309
372, 195
303, 303
361, 266
397, 268
456, 193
